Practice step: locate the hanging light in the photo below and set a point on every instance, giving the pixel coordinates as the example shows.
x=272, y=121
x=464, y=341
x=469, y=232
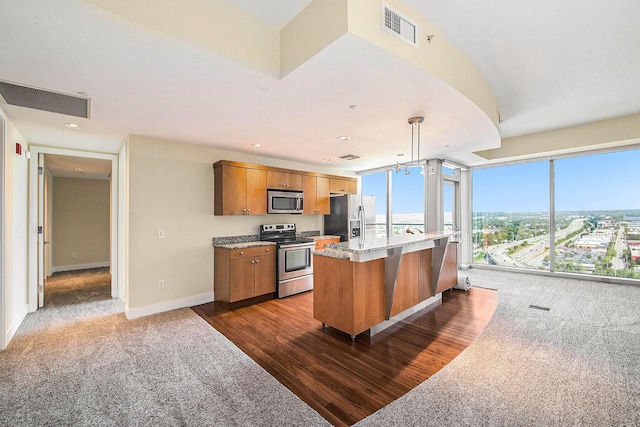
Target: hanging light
x=415, y=123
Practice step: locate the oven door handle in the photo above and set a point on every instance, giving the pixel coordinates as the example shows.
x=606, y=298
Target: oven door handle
x=298, y=245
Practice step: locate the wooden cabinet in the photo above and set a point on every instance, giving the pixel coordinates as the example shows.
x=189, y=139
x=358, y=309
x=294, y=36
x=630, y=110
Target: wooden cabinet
x=240, y=191
x=244, y=273
x=316, y=195
x=241, y=188
x=284, y=180
x=320, y=244
x=348, y=296
x=343, y=185
x=351, y=296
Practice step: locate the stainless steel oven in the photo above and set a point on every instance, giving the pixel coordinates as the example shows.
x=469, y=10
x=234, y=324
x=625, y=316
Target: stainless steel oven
x=294, y=259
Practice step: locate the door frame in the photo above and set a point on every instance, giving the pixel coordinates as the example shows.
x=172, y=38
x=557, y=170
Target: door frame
x=3, y=311
x=35, y=199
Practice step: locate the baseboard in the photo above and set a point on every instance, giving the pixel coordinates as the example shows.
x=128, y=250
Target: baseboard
x=134, y=313
x=74, y=267
x=13, y=328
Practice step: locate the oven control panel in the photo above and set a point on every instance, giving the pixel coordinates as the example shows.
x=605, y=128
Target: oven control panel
x=278, y=227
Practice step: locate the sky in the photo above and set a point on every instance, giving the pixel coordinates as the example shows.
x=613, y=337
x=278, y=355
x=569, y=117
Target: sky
x=609, y=181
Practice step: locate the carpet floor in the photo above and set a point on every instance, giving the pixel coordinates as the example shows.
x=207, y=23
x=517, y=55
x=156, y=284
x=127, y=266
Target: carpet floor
x=575, y=364
x=79, y=361
x=572, y=359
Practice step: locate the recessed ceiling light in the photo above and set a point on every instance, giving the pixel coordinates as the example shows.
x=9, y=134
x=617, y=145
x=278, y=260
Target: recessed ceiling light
x=326, y=160
x=342, y=138
x=73, y=126
x=352, y=107
x=256, y=145
x=447, y=146
x=400, y=154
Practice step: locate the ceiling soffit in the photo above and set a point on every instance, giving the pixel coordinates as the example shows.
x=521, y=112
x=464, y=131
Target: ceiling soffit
x=226, y=30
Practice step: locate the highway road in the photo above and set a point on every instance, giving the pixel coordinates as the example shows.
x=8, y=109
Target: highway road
x=533, y=255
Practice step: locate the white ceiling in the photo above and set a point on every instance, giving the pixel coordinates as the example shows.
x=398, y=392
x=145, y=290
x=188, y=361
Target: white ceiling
x=551, y=65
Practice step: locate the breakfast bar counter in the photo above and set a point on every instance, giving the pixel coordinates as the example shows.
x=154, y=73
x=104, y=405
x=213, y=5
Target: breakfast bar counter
x=368, y=285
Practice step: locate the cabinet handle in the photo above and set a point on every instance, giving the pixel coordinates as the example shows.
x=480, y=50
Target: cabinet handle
x=267, y=250
x=257, y=261
x=252, y=262
x=241, y=253
x=248, y=211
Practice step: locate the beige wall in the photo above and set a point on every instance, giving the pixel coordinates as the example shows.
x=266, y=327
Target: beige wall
x=81, y=223
x=170, y=188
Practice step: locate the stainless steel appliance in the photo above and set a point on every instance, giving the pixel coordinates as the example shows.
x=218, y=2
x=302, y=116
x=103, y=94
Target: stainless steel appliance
x=352, y=217
x=294, y=272
x=289, y=202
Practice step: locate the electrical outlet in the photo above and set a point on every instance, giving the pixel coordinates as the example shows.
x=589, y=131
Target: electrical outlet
x=160, y=234
x=253, y=229
x=161, y=284
x=73, y=255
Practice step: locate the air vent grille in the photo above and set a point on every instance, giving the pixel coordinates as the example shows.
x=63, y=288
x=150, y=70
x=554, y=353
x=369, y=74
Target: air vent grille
x=349, y=157
x=399, y=25
x=24, y=96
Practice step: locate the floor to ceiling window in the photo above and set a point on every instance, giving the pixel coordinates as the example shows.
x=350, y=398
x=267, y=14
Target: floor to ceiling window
x=407, y=201
x=375, y=184
x=511, y=215
x=595, y=212
x=596, y=197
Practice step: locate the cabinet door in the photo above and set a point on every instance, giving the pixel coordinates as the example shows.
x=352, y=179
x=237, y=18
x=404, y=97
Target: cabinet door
x=256, y=192
x=284, y=180
x=276, y=180
x=265, y=274
x=309, y=188
x=351, y=186
x=231, y=191
x=343, y=186
x=241, y=279
x=323, y=205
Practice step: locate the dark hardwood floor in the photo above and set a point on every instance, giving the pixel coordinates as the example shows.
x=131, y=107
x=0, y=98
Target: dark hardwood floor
x=346, y=382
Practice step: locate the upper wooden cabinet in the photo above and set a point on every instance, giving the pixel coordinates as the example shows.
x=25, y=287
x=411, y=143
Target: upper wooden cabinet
x=284, y=180
x=343, y=185
x=241, y=188
x=240, y=191
x=316, y=195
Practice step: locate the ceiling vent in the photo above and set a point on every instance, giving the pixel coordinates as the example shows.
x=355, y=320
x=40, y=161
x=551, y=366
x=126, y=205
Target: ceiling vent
x=349, y=157
x=24, y=96
x=399, y=25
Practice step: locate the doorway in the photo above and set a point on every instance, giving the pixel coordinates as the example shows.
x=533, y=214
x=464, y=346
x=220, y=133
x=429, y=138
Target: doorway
x=76, y=218
x=62, y=184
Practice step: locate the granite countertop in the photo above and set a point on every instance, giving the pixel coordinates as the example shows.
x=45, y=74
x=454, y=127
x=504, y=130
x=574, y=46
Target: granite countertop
x=243, y=245
x=378, y=248
x=323, y=237
x=332, y=253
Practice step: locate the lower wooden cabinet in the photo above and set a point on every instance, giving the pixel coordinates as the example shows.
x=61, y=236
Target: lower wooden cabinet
x=244, y=273
x=349, y=296
x=320, y=244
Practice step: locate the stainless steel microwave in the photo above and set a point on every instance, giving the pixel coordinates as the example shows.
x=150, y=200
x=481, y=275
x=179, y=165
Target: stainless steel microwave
x=288, y=202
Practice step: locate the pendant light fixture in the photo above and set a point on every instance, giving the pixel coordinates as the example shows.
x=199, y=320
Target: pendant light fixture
x=415, y=123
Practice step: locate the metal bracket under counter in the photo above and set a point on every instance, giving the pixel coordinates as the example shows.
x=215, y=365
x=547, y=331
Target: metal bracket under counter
x=392, y=265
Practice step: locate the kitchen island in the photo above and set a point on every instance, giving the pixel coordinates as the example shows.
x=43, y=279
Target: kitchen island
x=369, y=285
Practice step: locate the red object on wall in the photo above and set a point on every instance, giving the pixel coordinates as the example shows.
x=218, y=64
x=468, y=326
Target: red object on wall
x=18, y=148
